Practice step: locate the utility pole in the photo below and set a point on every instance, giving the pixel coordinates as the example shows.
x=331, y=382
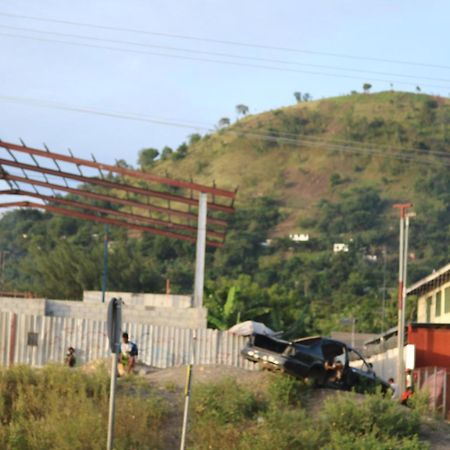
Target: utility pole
x=201, y=247
x=401, y=305
x=105, y=262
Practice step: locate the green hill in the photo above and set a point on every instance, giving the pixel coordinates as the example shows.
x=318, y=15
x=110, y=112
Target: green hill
x=303, y=154
x=331, y=168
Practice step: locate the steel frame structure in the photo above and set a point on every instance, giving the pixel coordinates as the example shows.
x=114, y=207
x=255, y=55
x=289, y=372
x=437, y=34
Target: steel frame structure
x=161, y=210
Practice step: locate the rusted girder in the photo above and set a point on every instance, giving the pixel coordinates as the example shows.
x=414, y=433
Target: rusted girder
x=108, y=198
x=113, y=185
x=120, y=223
x=133, y=217
x=119, y=170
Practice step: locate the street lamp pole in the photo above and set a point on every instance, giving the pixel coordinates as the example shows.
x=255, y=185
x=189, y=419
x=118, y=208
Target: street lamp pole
x=403, y=249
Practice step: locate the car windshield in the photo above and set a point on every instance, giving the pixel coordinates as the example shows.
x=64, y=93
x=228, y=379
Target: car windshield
x=358, y=362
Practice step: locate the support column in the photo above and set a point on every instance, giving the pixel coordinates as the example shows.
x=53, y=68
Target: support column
x=201, y=248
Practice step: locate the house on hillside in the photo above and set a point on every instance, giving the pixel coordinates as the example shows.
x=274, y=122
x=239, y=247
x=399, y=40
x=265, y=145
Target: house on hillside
x=433, y=294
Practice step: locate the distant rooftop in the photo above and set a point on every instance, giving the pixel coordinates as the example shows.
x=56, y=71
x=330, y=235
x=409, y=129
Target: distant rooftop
x=433, y=281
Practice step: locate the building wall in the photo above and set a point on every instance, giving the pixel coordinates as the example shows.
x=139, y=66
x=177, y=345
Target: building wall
x=138, y=312
x=23, y=305
x=439, y=305
x=129, y=298
x=432, y=345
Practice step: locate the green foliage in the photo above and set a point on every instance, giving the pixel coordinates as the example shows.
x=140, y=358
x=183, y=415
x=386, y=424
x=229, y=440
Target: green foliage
x=278, y=420
x=147, y=157
x=166, y=153
x=60, y=408
x=242, y=109
x=224, y=403
x=300, y=288
x=286, y=390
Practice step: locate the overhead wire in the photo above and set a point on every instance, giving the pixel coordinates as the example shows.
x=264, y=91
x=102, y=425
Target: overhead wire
x=220, y=41
x=215, y=61
x=298, y=141
x=216, y=54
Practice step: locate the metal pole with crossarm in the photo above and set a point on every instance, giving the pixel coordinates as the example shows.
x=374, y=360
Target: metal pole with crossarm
x=401, y=294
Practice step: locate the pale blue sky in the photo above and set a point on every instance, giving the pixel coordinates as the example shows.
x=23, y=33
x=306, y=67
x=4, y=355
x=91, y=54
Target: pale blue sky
x=201, y=92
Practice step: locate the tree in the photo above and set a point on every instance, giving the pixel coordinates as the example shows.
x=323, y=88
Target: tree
x=181, y=152
x=367, y=87
x=298, y=96
x=166, y=152
x=242, y=109
x=193, y=138
x=224, y=122
x=418, y=89
x=306, y=97
x=147, y=157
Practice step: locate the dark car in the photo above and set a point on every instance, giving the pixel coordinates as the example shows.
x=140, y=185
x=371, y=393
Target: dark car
x=327, y=362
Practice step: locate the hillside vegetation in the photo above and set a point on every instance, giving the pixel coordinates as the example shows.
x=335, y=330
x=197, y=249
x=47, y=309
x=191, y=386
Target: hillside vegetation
x=331, y=169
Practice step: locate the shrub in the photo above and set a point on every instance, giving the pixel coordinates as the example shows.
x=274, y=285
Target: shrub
x=60, y=408
x=225, y=402
x=286, y=391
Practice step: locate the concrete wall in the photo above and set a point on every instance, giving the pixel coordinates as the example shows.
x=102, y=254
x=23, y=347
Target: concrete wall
x=175, y=317
x=385, y=364
x=142, y=308
x=23, y=305
x=159, y=346
x=129, y=298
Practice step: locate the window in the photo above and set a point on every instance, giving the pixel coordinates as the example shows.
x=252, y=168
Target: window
x=447, y=300
x=428, y=305
x=437, y=309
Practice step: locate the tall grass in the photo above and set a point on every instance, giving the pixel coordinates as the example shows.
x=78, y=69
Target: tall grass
x=278, y=419
x=61, y=408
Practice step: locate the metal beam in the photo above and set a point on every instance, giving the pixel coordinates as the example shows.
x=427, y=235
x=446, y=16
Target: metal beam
x=111, y=184
x=134, y=217
x=120, y=223
x=111, y=199
x=119, y=170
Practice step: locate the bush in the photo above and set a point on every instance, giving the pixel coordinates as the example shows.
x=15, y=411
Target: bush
x=225, y=402
x=286, y=391
x=60, y=408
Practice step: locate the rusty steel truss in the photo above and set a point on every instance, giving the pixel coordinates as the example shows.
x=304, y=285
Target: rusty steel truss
x=154, y=204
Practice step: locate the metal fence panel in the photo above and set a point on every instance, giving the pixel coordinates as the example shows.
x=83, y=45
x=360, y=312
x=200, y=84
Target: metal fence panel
x=159, y=346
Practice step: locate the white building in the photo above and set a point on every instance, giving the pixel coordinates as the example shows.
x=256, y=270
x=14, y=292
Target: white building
x=433, y=294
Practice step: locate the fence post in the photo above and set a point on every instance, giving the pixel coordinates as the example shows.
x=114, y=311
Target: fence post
x=12, y=339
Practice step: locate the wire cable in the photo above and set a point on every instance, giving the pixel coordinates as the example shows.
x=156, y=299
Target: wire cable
x=216, y=54
x=299, y=141
x=220, y=41
x=216, y=61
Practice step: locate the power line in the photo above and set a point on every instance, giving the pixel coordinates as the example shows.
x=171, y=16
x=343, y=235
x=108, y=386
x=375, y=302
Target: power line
x=216, y=61
x=216, y=54
x=222, y=42
x=299, y=141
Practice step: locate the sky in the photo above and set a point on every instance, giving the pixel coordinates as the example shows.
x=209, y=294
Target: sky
x=193, y=95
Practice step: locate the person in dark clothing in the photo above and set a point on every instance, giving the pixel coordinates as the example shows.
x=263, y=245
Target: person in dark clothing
x=70, y=359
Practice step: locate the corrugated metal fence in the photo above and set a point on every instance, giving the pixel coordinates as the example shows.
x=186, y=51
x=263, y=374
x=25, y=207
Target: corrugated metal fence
x=38, y=340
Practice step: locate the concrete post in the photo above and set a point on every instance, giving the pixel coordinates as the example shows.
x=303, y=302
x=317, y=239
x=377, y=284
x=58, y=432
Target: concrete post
x=201, y=248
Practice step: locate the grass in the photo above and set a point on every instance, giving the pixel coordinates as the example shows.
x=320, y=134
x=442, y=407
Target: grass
x=228, y=416
x=61, y=409
x=276, y=170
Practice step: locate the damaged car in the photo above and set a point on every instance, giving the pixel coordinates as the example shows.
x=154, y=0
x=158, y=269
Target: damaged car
x=327, y=362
